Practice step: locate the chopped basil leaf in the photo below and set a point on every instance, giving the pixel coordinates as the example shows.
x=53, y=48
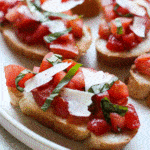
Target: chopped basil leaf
x=119, y=26
x=60, y=85
x=55, y=59
x=19, y=77
x=61, y=15
x=51, y=37
x=108, y=107
x=126, y=15
x=100, y=88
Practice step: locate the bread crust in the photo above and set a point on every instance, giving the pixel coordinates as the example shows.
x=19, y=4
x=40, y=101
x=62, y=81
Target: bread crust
x=39, y=51
x=121, y=58
x=89, y=8
x=76, y=132
x=138, y=84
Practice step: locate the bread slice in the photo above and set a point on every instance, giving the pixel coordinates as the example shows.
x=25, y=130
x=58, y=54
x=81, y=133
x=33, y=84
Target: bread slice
x=76, y=132
x=121, y=58
x=138, y=84
x=39, y=51
x=89, y=8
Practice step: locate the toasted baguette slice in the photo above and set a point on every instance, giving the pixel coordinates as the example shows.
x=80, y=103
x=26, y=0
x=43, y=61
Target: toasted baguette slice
x=121, y=58
x=76, y=132
x=39, y=51
x=89, y=8
x=138, y=84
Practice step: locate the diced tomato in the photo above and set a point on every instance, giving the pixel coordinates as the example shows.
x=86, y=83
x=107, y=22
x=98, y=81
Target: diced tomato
x=96, y=99
x=117, y=122
x=68, y=12
x=131, y=118
x=25, y=78
x=117, y=92
x=67, y=49
x=58, y=77
x=142, y=64
x=129, y=40
x=98, y=126
x=41, y=93
x=125, y=23
x=77, y=27
x=109, y=12
x=114, y=44
x=64, y=1
x=104, y=30
x=60, y=107
x=97, y=115
x=77, y=82
x=42, y=1
x=11, y=72
x=36, y=69
x=121, y=11
x=45, y=64
x=77, y=120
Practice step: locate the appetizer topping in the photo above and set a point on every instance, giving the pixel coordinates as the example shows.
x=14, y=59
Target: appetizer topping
x=78, y=101
x=138, y=26
x=44, y=76
x=59, y=6
x=119, y=26
x=55, y=59
x=100, y=76
x=60, y=85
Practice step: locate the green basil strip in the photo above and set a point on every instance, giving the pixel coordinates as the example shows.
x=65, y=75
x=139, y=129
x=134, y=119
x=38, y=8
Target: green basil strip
x=61, y=84
x=126, y=15
x=61, y=15
x=51, y=37
x=108, y=107
x=19, y=77
x=55, y=59
x=100, y=88
x=119, y=26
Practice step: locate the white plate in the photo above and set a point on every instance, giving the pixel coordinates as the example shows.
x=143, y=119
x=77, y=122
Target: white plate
x=39, y=137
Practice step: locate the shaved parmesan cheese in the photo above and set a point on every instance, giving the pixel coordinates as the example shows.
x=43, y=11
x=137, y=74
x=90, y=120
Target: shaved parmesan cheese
x=44, y=77
x=58, y=6
x=78, y=101
x=144, y=4
x=93, y=78
x=132, y=6
x=105, y=3
x=138, y=26
x=55, y=26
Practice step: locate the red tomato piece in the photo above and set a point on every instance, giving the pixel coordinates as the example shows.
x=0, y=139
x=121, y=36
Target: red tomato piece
x=67, y=49
x=77, y=27
x=109, y=12
x=98, y=126
x=114, y=44
x=25, y=78
x=104, y=30
x=118, y=91
x=117, y=122
x=36, y=69
x=58, y=77
x=11, y=72
x=131, y=118
x=121, y=11
x=60, y=107
x=45, y=64
x=142, y=64
x=41, y=93
x=129, y=40
x=98, y=115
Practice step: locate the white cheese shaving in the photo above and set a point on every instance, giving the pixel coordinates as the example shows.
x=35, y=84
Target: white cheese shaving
x=44, y=76
x=58, y=6
x=105, y=3
x=138, y=26
x=132, y=6
x=78, y=101
x=55, y=26
x=93, y=78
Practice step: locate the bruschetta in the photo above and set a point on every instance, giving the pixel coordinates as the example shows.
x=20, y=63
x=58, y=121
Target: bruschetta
x=31, y=30
x=139, y=80
x=123, y=31
x=80, y=103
